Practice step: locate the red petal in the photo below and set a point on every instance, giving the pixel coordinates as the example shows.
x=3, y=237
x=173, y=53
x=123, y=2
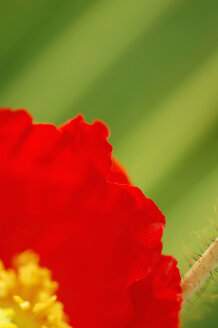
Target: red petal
x=117, y=173
x=157, y=298
x=62, y=196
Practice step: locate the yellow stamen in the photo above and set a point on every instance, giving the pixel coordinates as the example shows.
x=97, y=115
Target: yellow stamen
x=27, y=296
x=24, y=305
x=6, y=316
x=40, y=307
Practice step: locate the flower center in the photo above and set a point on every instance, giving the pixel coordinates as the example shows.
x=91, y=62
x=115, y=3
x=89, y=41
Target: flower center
x=27, y=296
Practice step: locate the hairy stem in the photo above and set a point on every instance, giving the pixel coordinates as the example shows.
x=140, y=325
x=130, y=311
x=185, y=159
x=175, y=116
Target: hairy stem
x=200, y=271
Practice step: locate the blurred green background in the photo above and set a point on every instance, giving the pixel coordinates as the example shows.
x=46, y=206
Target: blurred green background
x=149, y=69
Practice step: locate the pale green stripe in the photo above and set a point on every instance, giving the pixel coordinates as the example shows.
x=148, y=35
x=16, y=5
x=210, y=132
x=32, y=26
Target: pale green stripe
x=77, y=57
x=153, y=147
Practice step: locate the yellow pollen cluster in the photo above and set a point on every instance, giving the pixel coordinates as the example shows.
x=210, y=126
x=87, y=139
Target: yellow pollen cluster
x=27, y=296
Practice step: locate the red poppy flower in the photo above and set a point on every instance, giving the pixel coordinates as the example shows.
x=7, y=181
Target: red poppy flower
x=62, y=196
